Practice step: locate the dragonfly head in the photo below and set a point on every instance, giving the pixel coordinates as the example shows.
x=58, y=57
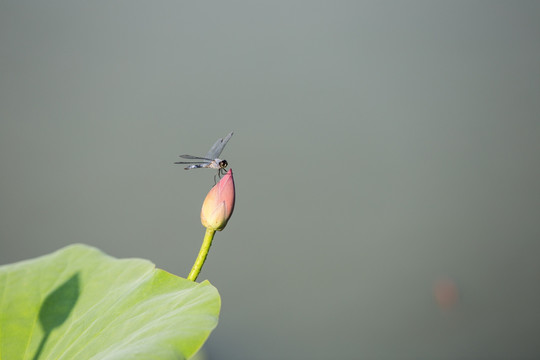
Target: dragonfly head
x=223, y=164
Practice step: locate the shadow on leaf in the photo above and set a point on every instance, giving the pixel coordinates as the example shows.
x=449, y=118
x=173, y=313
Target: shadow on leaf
x=56, y=308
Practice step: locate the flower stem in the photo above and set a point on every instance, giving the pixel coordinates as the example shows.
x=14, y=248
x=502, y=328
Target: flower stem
x=199, y=262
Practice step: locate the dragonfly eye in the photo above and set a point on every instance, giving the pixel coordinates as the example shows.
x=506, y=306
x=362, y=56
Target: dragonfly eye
x=223, y=164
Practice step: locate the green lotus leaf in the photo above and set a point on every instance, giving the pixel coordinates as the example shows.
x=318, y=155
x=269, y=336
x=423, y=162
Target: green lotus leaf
x=79, y=303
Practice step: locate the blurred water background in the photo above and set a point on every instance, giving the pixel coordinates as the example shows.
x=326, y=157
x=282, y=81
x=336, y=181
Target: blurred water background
x=386, y=158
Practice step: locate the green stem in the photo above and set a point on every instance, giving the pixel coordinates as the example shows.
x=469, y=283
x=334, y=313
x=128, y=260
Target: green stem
x=196, y=269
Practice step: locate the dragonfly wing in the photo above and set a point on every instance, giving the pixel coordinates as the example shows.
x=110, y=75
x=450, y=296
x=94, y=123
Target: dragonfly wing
x=193, y=162
x=218, y=147
x=195, y=157
x=196, y=166
x=193, y=165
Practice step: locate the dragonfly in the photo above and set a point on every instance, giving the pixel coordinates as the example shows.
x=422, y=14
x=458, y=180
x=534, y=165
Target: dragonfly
x=210, y=160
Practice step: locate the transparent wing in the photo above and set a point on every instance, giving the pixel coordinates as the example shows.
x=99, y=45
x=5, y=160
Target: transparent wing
x=193, y=162
x=195, y=157
x=217, y=148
